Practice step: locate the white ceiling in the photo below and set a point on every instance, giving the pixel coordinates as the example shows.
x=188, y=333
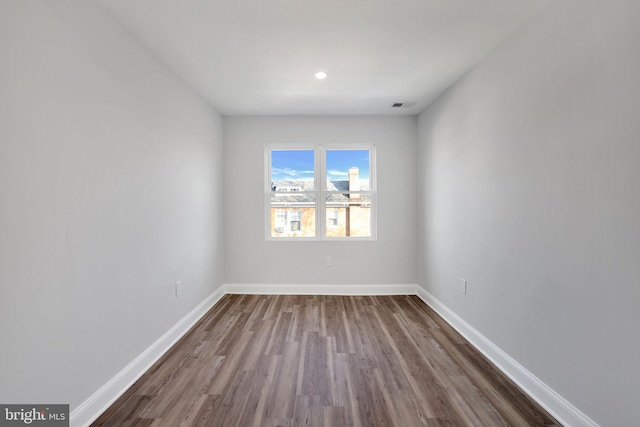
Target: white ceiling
x=259, y=56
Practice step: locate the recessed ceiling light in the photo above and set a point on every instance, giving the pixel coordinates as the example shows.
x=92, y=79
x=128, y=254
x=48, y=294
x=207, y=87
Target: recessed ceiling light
x=321, y=75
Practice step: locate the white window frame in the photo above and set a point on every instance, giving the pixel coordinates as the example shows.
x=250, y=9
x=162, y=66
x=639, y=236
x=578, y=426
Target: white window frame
x=320, y=190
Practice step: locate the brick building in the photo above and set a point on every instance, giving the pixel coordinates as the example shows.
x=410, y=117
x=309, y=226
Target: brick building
x=347, y=204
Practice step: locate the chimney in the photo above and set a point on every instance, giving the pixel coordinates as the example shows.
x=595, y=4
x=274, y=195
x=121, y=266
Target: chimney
x=354, y=182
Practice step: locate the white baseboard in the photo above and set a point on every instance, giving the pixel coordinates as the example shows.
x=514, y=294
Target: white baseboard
x=95, y=405
x=556, y=405
x=551, y=401
x=271, y=289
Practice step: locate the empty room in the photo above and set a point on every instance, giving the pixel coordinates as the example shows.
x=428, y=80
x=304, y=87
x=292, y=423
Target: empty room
x=338, y=213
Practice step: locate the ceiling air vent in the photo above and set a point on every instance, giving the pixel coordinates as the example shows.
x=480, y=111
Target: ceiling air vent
x=404, y=104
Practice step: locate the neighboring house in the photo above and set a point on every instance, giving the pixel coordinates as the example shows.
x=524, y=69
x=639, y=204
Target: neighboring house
x=293, y=208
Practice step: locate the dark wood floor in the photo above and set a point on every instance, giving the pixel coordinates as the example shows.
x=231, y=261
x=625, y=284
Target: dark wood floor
x=323, y=361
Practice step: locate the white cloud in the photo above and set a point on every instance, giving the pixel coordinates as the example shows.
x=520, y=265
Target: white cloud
x=280, y=173
x=337, y=173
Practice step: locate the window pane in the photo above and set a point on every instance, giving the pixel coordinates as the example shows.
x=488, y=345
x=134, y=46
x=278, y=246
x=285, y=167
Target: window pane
x=348, y=217
x=347, y=170
x=292, y=189
x=295, y=215
x=292, y=170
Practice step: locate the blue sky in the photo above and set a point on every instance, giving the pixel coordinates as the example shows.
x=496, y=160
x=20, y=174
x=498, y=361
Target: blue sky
x=298, y=164
x=292, y=164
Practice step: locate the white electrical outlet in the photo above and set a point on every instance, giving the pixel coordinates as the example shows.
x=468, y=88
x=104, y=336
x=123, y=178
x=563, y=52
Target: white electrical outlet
x=178, y=288
x=463, y=286
x=327, y=260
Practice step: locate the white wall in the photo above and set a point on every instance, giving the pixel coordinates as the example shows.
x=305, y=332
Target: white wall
x=110, y=190
x=252, y=260
x=529, y=188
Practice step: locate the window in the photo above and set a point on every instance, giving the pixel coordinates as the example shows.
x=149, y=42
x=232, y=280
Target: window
x=295, y=218
x=320, y=192
x=332, y=218
x=286, y=221
x=281, y=221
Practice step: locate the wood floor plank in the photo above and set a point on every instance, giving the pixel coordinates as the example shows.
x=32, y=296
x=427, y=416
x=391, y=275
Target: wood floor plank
x=203, y=410
x=282, y=394
x=326, y=361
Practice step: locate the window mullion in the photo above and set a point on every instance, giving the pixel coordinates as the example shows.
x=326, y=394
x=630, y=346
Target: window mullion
x=320, y=190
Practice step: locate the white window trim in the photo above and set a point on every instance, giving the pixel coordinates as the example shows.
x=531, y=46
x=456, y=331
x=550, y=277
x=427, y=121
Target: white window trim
x=320, y=190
